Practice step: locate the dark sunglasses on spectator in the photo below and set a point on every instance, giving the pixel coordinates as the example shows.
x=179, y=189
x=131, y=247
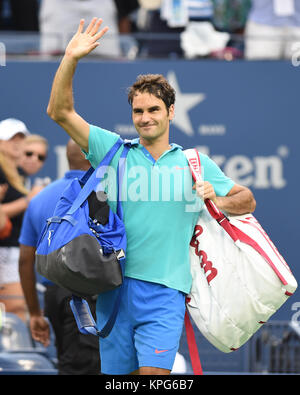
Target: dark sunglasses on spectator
x=41, y=158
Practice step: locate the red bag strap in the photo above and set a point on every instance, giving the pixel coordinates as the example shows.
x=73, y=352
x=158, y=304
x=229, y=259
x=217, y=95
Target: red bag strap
x=195, y=167
x=192, y=345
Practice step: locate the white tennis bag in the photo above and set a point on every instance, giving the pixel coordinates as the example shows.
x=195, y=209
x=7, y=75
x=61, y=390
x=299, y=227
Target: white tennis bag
x=239, y=277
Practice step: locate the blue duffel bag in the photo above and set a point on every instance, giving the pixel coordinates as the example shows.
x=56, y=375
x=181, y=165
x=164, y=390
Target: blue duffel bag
x=83, y=245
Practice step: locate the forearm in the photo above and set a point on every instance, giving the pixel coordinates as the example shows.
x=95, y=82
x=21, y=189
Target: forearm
x=16, y=207
x=3, y=218
x=238, y=203
x=61, y=99
x=61, y=103
x=28, y=279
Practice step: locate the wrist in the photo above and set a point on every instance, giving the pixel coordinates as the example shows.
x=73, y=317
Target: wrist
x=27, y=200
x=70, y=58
x=218, y=202
x=36, y=313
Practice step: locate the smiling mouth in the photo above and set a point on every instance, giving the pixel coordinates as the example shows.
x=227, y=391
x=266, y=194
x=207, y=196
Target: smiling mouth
x=146, y=126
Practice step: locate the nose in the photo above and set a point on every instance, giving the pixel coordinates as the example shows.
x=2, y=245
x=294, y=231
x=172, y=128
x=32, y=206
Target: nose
x=145, y=117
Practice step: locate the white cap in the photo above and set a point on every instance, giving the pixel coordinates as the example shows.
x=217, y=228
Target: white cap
x=10, y=127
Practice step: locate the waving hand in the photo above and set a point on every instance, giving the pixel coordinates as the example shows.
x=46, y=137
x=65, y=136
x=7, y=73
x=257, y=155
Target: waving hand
x=84, y=42
x=61, y=104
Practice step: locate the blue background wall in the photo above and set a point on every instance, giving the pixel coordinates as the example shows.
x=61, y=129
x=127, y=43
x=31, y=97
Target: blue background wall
x=245, y=115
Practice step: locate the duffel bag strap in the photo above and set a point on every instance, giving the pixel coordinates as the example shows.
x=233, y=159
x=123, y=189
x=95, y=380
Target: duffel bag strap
x=120, y=175
x=94, y=176
x=84, y=318
x=192, y=345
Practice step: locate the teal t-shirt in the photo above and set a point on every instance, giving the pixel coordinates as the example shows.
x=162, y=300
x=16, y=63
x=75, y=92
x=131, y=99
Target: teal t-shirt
x=160, y=207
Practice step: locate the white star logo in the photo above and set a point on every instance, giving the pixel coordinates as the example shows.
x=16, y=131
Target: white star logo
x=184, y=102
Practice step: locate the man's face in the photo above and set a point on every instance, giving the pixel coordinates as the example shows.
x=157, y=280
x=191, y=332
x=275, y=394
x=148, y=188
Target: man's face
x=150, y=116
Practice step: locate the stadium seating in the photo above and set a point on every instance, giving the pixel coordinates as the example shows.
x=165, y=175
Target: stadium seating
x=19, y=354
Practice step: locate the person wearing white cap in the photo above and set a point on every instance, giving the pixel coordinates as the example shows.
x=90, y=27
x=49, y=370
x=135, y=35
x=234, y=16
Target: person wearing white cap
x=11, y=127
x=15, y=202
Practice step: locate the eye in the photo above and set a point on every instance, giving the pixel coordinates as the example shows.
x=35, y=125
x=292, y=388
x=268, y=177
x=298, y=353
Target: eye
x=154, y=109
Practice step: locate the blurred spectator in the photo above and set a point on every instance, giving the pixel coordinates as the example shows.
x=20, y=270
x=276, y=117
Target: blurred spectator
x=77, y=353
x=19, y=15
x=231, y=16
x=15, y=202
x=35, y=150
x=151, y=21
x=272, y=28
x=126, y=11
x=200, y=39
x=59, y=21
x=5, y=222
x=186, y=27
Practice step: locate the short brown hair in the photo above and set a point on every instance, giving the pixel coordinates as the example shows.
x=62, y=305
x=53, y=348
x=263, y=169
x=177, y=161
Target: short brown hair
x=156, y=85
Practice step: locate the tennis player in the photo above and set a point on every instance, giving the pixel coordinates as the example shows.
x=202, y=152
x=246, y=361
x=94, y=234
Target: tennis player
x=159, y=214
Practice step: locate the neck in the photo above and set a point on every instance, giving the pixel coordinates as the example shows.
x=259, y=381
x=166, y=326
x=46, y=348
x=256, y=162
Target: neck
x=156, y=148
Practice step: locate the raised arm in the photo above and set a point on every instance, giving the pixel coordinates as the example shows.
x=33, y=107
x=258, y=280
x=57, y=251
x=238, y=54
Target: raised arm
x=61, y=104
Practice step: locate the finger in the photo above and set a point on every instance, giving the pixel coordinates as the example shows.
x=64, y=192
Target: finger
x=45, y=341
x=41, y=338
x=200, y=191
x=80, y=26
x=101, y=33
x=93, y=46
x=209, y=195
x=36, y=336
x=96, y=27
x=91, y=25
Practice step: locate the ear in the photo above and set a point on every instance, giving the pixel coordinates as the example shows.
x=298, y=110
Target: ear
x=171, y=112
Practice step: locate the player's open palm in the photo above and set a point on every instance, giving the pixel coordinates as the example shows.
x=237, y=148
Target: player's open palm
x=83, y=42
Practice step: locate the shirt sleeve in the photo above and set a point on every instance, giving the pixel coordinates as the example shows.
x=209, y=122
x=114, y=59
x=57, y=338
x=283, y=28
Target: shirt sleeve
x=213, y=174
x=28, y=234
x=100, y=142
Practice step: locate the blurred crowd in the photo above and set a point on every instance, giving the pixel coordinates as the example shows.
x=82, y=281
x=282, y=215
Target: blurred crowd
x=26, y=202
x=22, y=156
x=222, y=29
